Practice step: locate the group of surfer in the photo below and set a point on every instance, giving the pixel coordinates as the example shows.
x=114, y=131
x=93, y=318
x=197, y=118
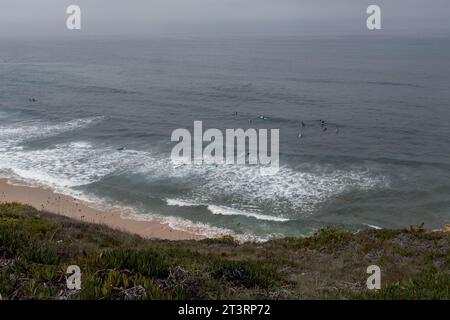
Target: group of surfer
x=323, y=124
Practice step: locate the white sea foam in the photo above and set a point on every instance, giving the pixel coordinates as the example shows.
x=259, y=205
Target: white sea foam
x=294, y=190
x=374, y=226
x=234, y=212
x=63, y=165
x=67, y=165
x=289, y=194
x=12, y=135
x=181, y=203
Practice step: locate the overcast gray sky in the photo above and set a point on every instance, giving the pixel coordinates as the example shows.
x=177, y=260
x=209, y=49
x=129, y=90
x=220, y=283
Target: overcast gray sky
x=47, y=17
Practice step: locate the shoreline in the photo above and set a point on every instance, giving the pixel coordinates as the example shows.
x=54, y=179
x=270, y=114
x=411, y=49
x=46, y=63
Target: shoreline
x=45, y=199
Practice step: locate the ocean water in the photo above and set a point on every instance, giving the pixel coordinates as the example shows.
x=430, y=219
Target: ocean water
x=105, y=109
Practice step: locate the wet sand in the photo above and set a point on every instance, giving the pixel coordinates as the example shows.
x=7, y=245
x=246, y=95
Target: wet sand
x=47, y=200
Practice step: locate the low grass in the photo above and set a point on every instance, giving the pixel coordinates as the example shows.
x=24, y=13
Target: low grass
x=37, y=247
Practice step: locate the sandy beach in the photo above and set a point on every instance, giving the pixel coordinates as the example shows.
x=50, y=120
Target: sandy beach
x=47, y=200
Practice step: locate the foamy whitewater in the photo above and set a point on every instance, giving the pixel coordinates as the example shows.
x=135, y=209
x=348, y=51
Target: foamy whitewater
x=100, y=130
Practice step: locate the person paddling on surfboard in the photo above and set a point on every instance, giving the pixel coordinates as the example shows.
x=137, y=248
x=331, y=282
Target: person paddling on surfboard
x=302, y=125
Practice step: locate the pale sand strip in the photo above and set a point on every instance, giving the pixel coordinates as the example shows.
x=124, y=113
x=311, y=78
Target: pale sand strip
x=47, y=200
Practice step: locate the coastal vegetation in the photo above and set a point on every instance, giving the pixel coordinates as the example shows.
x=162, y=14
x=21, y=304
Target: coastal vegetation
x=37, y=247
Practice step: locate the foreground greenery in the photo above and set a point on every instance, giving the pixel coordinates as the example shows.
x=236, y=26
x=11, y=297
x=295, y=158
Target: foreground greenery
x=36, y=248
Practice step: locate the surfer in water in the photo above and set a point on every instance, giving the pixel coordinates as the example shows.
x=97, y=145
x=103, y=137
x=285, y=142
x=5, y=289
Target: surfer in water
x=302, y=125
x=323, y=124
